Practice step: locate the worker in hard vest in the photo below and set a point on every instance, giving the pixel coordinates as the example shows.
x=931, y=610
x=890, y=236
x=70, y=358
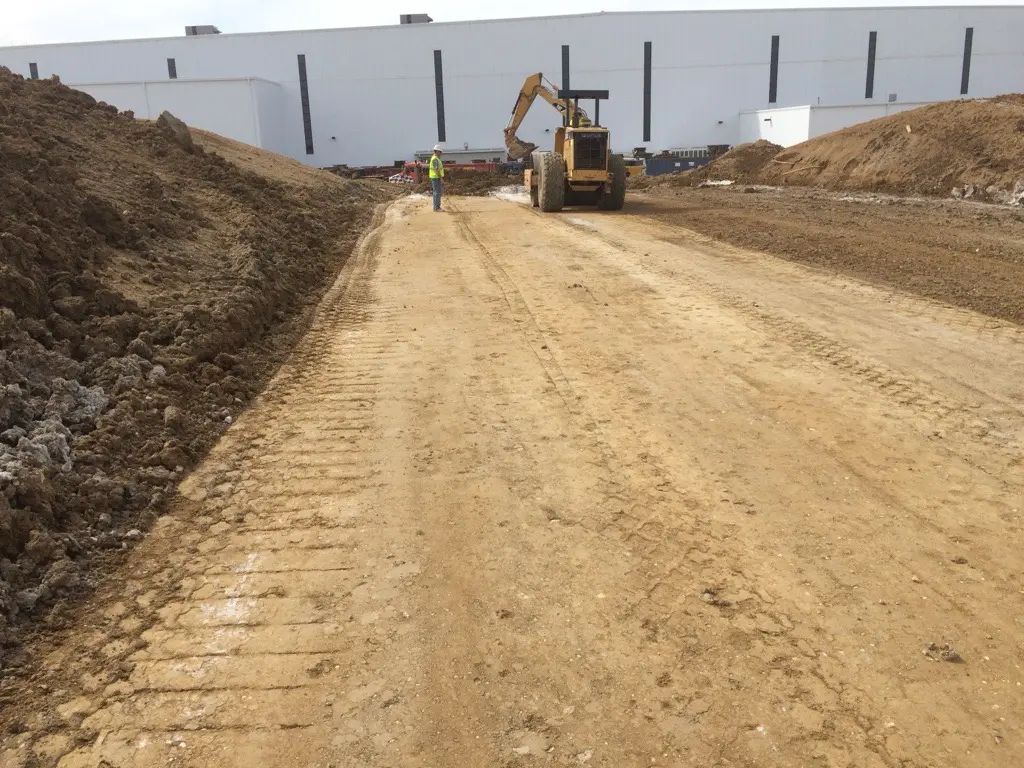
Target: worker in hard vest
x=436, y=174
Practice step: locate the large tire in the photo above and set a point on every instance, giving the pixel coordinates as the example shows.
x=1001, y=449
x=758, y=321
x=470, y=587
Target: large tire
x=552, y=181
x=532, y=161
x=614, y=195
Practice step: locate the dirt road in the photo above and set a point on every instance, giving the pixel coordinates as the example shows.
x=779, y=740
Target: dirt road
x=580, y=489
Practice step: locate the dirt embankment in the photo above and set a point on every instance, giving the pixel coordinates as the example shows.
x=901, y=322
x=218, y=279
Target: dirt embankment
x=970, y=149
x=149, y=289
x=929, y=151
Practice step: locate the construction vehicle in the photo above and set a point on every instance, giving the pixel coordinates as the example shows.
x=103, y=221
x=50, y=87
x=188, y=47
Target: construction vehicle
x=581, y=170
x=634, y=167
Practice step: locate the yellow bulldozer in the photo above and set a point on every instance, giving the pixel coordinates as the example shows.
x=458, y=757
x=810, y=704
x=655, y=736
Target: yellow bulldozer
x=581, y=170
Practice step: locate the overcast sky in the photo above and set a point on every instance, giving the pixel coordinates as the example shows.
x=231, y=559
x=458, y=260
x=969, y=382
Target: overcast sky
x=59, y=21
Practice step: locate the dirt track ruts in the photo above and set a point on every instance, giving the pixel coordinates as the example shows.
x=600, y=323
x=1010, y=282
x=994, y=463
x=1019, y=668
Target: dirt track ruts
x=581, y=489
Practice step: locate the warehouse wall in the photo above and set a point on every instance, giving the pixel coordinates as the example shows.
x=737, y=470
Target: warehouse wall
x=226, y=107
x=827, y=119
x=786, y=126
x=269, y=100
x=792, y=125
x=372, y=97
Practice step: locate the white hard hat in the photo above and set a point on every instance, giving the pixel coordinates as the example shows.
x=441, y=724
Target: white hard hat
x=437, y=148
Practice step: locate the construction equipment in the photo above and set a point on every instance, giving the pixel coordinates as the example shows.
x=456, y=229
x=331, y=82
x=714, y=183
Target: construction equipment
x=634, y=167
x=581, y=170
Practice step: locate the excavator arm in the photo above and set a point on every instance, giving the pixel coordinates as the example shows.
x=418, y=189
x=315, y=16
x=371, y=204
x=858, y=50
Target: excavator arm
x=533, y=87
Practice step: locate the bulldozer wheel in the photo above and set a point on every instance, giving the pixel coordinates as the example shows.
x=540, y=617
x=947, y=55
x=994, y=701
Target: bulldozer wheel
x=614, y=196
x=533, y=163
x=551, y=195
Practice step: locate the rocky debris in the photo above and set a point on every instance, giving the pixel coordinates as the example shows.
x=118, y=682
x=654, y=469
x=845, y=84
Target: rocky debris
x=712, y=596
x=137, y=314
x=75, y=406
x=992, y=193
x=174, y=418
x=176, y=130
x=943, y=652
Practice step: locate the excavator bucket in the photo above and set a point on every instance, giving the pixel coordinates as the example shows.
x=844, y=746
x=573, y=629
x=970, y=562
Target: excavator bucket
x=517, y=148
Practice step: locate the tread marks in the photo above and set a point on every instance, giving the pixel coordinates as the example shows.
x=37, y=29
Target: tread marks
x=905, y=389
x=263, y=530
x=675, y=554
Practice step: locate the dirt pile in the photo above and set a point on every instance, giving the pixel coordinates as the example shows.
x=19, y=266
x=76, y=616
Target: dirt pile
x=150, y=287
x=976, y=147
x=743, y=163
x=473, y=183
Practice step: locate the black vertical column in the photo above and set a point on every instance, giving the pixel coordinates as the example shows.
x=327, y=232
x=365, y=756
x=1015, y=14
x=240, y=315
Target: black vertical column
x=773, y=76
x=439, y=92
x=965, y=76
x=307, y=122
x=565, y=68
x=647, y=91
x=33, y=70
x=172, y=69
x=869, y=87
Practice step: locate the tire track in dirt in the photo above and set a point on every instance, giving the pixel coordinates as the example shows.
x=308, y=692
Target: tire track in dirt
x=994, y=425
x=242, y=666
x=828, y=699
x=679, y=562
x=523, y=498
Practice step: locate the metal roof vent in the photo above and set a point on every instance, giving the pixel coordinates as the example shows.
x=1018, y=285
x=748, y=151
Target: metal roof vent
x=202, y=29
x=415, y=18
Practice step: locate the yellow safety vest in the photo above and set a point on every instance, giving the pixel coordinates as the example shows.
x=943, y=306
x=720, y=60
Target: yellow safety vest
x=436, y=167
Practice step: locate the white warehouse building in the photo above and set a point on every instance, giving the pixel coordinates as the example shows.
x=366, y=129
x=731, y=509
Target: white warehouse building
x=676, y=79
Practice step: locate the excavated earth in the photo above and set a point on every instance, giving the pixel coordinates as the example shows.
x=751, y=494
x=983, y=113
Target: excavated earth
x=967, y=149
x=473, y=183
x=744, y=162
x=975, y=147
x=961, y=253
x=581, y=489
x=728, y=478
x=150, y=288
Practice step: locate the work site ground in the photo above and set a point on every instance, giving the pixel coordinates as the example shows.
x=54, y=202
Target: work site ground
x=578, y=489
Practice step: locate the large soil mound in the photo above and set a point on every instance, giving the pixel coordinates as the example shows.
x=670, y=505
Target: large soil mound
x=149, y=288
x=744, y=162
x=741, y=163
x=965, y=148
x=929, y=150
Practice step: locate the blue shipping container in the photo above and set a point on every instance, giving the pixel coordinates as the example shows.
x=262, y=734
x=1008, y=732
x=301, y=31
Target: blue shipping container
x=656, y=166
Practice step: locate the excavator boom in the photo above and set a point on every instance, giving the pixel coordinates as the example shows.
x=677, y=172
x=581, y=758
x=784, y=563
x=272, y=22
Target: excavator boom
x=533, y=87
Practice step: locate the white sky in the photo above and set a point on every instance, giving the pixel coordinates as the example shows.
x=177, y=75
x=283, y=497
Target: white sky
x=27, y=22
